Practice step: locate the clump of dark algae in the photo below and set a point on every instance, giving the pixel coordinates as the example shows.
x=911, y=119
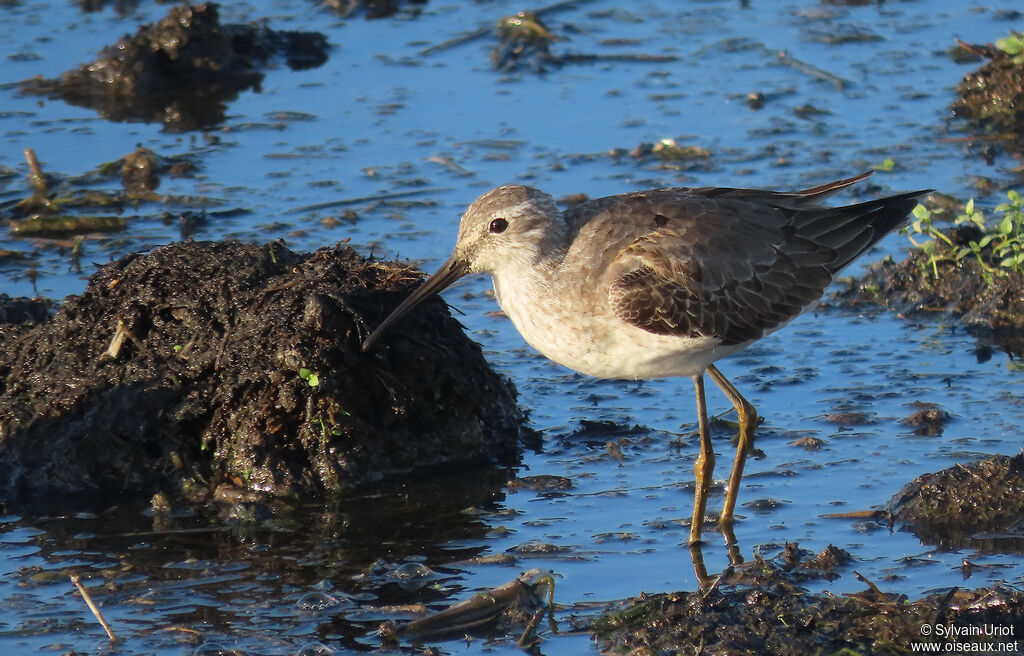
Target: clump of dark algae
x=992, y=97
x=201, y=365
x=182, y=70
x=991, y=307
x=980, y=505
x=759, y=608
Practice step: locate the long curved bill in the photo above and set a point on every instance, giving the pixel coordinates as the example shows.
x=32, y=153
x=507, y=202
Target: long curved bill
x=449, y=272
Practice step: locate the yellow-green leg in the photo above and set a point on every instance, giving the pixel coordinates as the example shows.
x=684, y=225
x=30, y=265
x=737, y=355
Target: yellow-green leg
x=705, y=465
x=748, y=421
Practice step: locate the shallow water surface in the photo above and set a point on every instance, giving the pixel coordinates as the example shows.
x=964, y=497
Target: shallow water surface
x=379, y=118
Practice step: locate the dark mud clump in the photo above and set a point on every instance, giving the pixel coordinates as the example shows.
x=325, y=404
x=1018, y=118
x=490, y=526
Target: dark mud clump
x=766, y=620
x=180, y=71
x=992, y=97
x=201, y=365
x=966, y=504
x=760, y=608
x=990, y=309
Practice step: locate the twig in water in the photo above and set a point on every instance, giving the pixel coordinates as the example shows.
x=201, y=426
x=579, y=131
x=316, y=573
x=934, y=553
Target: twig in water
x=813, y=71
x=487, y=29
x=874, y=588
x=95, y=611
x=35, y=173
x=583, y=58
x=364, y=199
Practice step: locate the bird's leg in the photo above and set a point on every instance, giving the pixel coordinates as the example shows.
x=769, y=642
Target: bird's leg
x=748, y=421
x=700, y=570
x=705, y=464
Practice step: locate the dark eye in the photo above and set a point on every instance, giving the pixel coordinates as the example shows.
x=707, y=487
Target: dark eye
x=499, y=226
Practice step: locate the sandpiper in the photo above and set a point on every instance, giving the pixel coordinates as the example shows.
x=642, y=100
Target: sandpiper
x=661, y=283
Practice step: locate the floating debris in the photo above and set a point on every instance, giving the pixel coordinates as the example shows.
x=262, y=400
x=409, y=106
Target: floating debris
x=180, y=71
x=668, y=151
x=513, y=604
x=928, y=420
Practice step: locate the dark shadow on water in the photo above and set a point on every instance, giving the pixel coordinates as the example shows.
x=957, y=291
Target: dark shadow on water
x=338, y=565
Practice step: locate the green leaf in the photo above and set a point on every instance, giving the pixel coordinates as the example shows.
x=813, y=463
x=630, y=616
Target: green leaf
x=984, y=241
x=1011, y=45
x=1006, y=226
x=304, y=373
x=921, y=212
x=969, y=207
x=313, y=380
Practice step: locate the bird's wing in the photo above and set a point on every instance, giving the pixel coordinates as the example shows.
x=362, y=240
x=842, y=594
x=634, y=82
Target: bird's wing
x=681, y=263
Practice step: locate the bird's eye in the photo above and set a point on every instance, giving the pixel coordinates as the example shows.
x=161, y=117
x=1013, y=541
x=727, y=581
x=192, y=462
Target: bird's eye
x=498, y=226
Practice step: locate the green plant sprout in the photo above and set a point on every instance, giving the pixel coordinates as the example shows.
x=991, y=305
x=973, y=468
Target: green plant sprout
x=311, y=377
x=999, y=251
x=1013, y=45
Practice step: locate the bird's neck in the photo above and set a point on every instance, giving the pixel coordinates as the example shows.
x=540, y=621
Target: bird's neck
x=524, y=285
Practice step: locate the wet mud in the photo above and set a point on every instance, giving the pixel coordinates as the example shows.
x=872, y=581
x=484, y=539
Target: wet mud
x=777, y=617
x=992, y=97
x=980, y=505
x=181, y=71
x=200, y=367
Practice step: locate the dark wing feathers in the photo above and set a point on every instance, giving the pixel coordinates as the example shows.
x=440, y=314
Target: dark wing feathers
x=732, y=264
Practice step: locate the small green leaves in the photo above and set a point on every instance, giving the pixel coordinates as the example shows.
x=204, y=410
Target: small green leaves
x=1013, y=45
x=999, y=251
x=310, y=377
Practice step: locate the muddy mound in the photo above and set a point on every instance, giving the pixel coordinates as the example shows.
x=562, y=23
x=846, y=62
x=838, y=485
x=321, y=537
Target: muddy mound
x=180, y=71
x=775, y=620
x=967, y=504
x=992, y=310
x=761, y=607
x=992, y=97
x=200, y=364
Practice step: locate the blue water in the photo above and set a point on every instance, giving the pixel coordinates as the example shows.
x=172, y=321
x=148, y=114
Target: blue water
x=378, y=117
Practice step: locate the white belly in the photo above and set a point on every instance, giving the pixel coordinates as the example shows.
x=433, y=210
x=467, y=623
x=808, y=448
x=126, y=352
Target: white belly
x=592, y=341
